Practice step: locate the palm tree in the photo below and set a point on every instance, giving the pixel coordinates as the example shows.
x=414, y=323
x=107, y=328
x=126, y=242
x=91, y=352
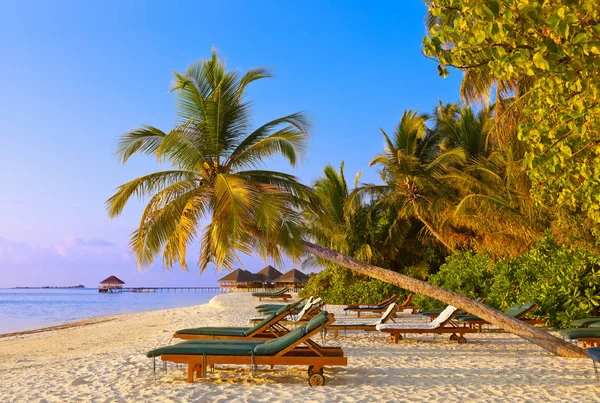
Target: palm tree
x=215, y=158
x=410, y=167
x=462, y=127
x=494, y=209
x=213, y=154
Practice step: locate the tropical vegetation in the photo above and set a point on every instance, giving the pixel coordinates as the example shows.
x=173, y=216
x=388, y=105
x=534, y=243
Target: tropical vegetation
x=449, y=182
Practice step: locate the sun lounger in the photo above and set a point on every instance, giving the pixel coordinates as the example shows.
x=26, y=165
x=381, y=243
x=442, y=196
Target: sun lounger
x=281, y=294
x=518, y=311
x=292, y=349
x=364, y=324
x=585, y=322
x=376, y=308
x=266, y=309
x=441, y=325
x=433, y=313
x=310, y=309
x=268, y=328
x=590, y=336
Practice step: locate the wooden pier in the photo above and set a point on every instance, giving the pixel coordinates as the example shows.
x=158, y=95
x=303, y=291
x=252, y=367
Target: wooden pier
x=163, y=289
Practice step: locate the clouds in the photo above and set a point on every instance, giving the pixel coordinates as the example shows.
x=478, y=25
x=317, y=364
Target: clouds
x=69, y=240
x=12, y=202
x=66, y=259
x=17, y=253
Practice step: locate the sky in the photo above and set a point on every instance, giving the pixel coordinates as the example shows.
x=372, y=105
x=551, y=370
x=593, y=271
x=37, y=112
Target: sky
x=76, y=75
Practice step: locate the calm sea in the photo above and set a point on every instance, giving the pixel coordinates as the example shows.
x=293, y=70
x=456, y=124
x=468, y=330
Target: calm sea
x=32, y=309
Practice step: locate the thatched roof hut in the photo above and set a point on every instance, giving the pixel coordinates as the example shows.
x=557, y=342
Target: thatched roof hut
x=112, y=280
x=293, y=277
x=240, y=279
x=269, y=274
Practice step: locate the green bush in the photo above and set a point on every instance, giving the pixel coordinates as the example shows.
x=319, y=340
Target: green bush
x=337, y=285
x=466, y=273
x=564, y=283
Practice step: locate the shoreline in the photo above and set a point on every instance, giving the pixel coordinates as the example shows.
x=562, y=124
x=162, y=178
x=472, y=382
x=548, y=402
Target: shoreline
x=105, y=361
x=96, y=317
x=89, y=321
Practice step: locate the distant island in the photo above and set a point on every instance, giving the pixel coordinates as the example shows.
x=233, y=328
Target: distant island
x=47, y=286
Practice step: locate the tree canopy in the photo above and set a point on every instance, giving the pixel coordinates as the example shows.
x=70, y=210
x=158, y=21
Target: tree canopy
x=545, y=56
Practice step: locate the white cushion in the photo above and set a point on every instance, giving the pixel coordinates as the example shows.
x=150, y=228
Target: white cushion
x=434, y=324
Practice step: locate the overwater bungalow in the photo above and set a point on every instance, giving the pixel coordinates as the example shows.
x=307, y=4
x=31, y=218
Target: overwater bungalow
x=294, y=279
x=240, y=279
x=269, y=274
x=111, y=284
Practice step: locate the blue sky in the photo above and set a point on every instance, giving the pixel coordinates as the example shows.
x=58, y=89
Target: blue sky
x=75, y=75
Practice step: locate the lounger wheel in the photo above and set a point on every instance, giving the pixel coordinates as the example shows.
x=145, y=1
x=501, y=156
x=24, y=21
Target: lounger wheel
x=453, y=337
x=316, y=379
x=461, y=340
x=311, y=370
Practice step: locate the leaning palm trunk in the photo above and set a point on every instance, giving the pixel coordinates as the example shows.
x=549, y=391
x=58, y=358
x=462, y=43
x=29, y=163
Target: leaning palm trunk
x=495, y=317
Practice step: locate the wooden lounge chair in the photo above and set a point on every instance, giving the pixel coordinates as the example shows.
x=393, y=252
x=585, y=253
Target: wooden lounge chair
x=281, y=294
x=266, y=309
x=292, y=349
x=310, y=309
x=433, y=313
x=517, y=311
x=590, y=336
x=585, y=322
x=268, y=328
x=364, y=324
x=443, y=324
x=377, y=308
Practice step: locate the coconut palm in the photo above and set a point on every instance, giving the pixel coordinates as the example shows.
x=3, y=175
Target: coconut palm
x=463, y=127
x=410, y=167
x=215, y=157
x=494, y=209
x=215, y=162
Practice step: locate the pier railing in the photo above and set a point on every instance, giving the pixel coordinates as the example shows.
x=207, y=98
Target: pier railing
x=163, y=289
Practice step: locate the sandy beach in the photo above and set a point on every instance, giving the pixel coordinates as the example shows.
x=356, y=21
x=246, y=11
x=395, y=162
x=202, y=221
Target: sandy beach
x=104, y=361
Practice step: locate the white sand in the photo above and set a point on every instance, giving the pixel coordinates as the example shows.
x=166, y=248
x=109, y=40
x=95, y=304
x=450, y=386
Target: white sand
x=105, y=362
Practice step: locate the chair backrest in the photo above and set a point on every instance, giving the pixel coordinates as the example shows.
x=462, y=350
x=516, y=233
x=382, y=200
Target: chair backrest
x=389, y=312
x=281, y=312
x=274, y=346
x=279, y=292
x=519, y=309
x=387, y=301
x=444, y=317
x=407, y=301
x=305, y=308
x=316, y=321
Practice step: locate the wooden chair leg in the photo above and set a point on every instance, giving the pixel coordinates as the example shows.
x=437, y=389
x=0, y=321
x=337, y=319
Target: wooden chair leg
x=190, y=372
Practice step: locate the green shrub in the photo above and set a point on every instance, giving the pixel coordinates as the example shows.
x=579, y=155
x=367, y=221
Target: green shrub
x=466, y=273
x=564, y=283
x=337, y=285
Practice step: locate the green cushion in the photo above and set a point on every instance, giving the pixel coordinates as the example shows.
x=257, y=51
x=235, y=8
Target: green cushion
x=580, y=333
x=316, y=321
x=519, y=309
x=515, y=311
x=215, y=331
x=210, y=342
x=585, y=322
x=269, y=294
x=595, y=325
x=431, y=312
x=214, y=348
x=260, y=324
x=276, y=345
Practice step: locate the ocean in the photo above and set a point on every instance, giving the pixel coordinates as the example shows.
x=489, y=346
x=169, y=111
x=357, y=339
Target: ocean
x=28, y=309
